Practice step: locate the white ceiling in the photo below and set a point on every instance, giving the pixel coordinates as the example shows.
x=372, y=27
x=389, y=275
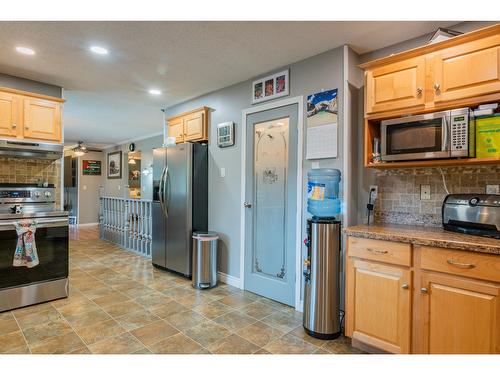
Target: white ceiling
x=107, y=99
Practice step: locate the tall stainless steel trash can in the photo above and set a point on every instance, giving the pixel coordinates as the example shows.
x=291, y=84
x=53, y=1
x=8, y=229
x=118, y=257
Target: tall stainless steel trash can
x=205, y=259
x=322, y=279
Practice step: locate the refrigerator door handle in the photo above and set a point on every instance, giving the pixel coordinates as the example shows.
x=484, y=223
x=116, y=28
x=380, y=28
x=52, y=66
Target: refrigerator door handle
x=165, y=179
x=161, y=190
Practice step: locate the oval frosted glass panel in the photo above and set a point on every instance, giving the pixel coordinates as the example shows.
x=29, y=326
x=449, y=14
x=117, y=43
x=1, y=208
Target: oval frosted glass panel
x=270, y=197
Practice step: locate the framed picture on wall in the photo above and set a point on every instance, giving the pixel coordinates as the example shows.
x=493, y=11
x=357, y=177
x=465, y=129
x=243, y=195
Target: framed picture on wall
x=270, y=87
x=91, y=167
x=115, y=165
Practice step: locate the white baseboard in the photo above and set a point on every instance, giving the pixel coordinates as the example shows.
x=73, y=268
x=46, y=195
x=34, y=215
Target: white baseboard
x=228, y=279
x=88, y=225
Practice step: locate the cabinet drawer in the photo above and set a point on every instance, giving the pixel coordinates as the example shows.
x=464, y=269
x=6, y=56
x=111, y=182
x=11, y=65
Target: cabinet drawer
x=462, y=263
x=382, y=251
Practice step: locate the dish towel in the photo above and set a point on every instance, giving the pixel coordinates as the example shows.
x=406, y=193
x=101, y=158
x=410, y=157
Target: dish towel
x=25, y=255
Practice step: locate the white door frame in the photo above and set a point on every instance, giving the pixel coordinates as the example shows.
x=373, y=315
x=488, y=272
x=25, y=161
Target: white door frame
x=299, y=100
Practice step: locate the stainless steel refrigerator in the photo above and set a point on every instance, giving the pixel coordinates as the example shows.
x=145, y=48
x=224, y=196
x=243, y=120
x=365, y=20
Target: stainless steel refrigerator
x=180, y=203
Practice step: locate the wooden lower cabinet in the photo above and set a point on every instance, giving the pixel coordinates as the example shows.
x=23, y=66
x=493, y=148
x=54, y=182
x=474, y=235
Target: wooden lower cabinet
x=458, y=315
x=444, y=302
x=379, y=305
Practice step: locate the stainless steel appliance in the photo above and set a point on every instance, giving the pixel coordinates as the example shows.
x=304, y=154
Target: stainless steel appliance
x=180, y=203
x=21, y=286
x=438, y=135
x=205, y=259
x=477, y=214
x=26, y=149
x=321, y=318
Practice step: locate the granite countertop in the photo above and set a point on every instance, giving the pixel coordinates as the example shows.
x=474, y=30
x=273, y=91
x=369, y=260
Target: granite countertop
x=426, y=236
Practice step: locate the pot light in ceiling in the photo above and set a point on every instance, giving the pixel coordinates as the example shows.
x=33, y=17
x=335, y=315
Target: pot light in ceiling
x=99, y=50
x=155, y=92
x=25, y=50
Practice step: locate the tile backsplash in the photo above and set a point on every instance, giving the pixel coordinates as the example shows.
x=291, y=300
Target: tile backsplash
x=399, y=200
x=19, y=170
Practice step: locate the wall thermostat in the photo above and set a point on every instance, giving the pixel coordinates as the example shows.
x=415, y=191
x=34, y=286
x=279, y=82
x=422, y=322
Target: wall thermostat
x=225, y=134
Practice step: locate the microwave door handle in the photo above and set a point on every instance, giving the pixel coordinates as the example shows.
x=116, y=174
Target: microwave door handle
x=446, y=133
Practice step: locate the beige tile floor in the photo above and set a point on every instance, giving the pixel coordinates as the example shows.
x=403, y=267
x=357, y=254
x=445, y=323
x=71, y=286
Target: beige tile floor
x=119, y=303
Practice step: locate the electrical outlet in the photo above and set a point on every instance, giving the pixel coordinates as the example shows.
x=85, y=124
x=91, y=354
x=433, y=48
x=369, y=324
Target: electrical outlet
x=492, y=189
x=425, y=192
x=374, y=192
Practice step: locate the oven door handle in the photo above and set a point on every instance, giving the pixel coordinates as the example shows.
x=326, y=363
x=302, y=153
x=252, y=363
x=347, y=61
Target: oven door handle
x=41, y=223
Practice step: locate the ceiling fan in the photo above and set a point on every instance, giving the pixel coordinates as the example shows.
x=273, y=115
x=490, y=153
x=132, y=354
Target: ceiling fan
x=81, y=149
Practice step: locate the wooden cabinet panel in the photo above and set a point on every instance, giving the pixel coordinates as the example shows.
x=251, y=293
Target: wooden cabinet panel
x=381, y=251
x=378, y=308
x=395, y=86
x=10, y=115
x=194, y=126
x=461, y=263
x=468, y=70
x=176, y=129
x=460, y=316
x=42, y=120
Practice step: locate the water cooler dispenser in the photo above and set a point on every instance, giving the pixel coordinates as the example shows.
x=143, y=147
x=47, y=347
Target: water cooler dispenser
x=322, y=264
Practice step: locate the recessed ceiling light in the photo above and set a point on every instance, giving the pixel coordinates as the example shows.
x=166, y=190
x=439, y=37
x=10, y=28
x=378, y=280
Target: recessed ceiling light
x=25, y=50
x=155, y=92
x=99, y=50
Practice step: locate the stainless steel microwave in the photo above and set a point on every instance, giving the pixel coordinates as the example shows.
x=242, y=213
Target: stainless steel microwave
x=438, y=135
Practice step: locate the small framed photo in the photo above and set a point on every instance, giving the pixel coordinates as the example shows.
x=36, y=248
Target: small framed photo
x=270, y=87
x=115, y=165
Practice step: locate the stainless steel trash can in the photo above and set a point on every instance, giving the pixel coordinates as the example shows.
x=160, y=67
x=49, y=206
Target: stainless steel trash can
x=322, y=279
x=205, y=259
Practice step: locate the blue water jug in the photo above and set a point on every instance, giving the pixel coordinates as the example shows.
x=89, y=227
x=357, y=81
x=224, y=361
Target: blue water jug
x=323, y=192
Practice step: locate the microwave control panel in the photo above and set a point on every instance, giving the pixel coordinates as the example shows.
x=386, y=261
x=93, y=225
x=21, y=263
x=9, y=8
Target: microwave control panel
x=459, y=134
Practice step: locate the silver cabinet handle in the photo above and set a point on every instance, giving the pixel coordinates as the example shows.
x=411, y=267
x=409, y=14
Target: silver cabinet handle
x=14, y=126
x=247, y=205
x=405, y=286
x=419, y=91
x=376, y=251
x=437, y=86
x=460, y=265
x=423, y=290
x=26, y=127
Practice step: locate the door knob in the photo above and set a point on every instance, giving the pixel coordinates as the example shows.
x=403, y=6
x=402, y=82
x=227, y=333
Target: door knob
x=419, y=91
x=14, y=126
x=423, y=290
x=436, y=86
x=247, y=205
x=405, y=286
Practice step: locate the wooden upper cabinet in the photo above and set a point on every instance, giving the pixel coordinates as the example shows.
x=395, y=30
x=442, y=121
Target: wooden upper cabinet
x=379, y=305
x=30, y=116
x=459, y=316
x=42, y=120
x=176, y=129
x=395, y=86
x=9, y=115
x=189, y=126
x=194, y=126
x=468, y=70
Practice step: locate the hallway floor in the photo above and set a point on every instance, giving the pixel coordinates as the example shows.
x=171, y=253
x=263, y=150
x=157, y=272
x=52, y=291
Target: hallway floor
x=120, y=303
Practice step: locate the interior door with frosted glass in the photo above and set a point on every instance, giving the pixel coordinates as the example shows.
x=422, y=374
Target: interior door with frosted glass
x=270, y=203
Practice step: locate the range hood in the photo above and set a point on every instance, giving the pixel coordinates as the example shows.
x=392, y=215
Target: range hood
x=32, y=150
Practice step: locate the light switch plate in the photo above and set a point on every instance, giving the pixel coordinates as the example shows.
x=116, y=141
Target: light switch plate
x=374, y=192
x=425, y=192
x=223, y=172
x=314, y=165
x=492, y=189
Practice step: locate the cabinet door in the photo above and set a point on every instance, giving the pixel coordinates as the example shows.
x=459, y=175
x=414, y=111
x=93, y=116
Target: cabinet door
x=194, y=127
x=396, y=86
x=460, y=316
x=176, y=129
x=9, y=115
x=42, y=120
x=378, y=306
x=468, y=70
